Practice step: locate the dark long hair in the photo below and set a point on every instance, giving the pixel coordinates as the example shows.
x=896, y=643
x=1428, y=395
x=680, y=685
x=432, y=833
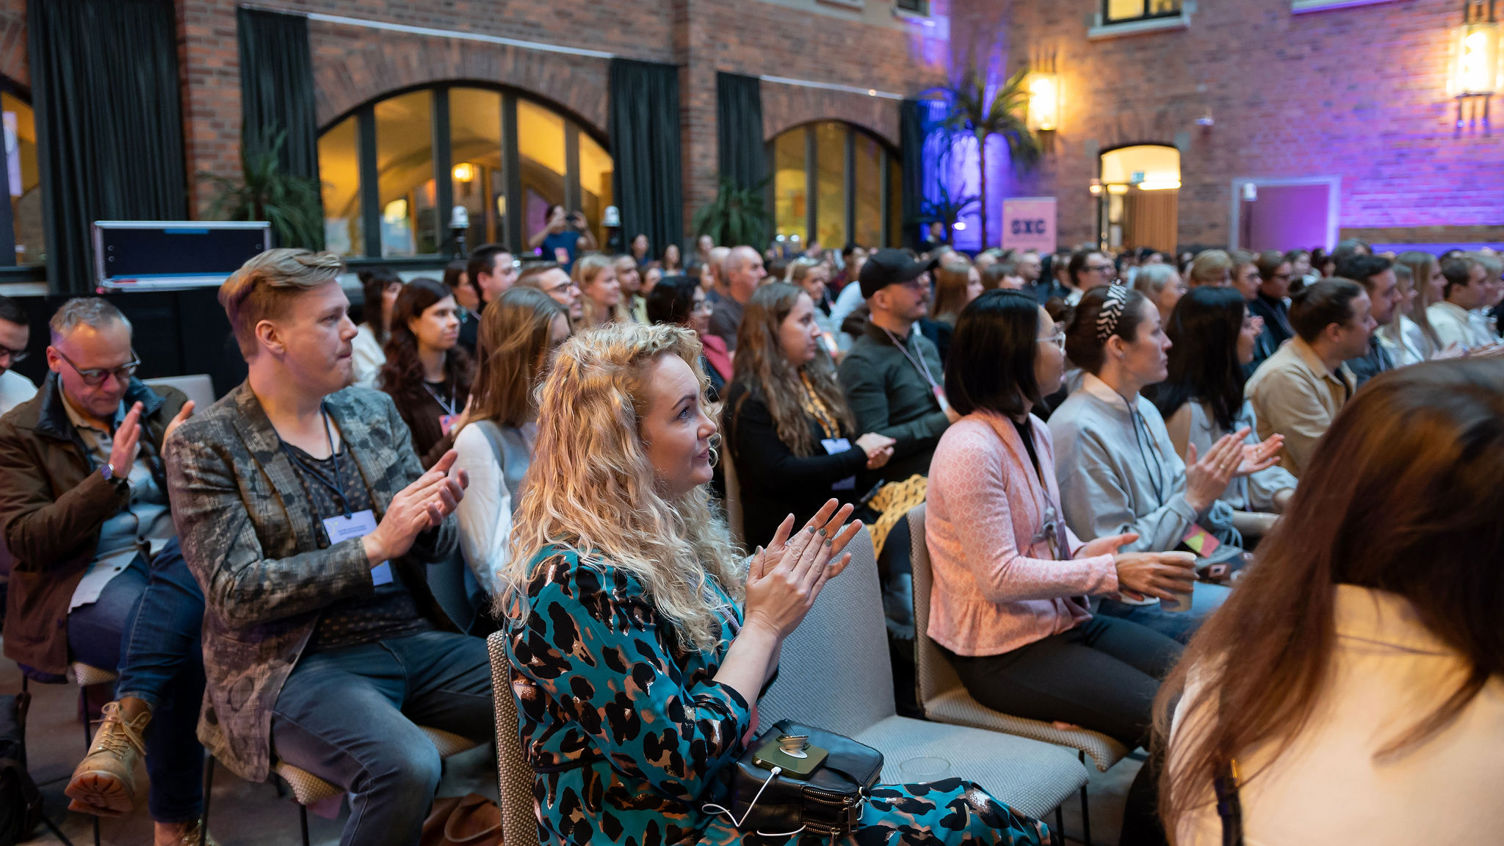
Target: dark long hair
x=373, y=284
x=761, y=367
x=1204, y=329
x=1082, y=346
x=402, y=375
x=1404, y=497
x=991, y=364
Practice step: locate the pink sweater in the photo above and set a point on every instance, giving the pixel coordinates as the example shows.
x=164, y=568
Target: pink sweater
x=993, y=590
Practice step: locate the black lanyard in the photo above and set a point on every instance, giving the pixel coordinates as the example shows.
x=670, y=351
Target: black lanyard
x=1153, y=464
x=337, y=484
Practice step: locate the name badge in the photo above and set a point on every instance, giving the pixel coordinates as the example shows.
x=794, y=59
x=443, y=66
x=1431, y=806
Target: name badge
x=832, y=447
x=358, y=525
x=561, y=255
x=446, y=422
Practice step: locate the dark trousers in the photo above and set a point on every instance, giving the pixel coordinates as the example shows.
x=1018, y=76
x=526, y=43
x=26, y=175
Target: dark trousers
x=1101, y=675
x=146, y=624
x=350, y=715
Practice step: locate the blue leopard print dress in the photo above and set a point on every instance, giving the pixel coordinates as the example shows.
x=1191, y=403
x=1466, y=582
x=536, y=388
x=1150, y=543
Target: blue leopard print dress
x=628, y=730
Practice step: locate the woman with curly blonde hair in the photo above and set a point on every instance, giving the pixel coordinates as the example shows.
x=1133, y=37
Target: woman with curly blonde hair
x=638, y=638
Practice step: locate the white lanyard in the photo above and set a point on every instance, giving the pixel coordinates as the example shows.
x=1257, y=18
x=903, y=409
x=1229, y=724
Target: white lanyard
x=447, y=406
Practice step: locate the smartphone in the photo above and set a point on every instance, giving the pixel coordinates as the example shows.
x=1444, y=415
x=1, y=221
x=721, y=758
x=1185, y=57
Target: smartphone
x=769, y=756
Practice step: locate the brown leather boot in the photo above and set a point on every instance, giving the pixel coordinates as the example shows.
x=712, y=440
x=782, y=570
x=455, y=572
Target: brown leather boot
x=104, y=782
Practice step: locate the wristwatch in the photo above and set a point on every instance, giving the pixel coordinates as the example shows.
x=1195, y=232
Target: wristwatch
x=108, y=472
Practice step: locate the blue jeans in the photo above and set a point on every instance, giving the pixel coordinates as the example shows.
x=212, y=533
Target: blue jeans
x=1179, y=625
x=146, y=624
x=350, y=715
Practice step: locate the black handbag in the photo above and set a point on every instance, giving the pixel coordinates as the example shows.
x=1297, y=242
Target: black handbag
x=827, y=802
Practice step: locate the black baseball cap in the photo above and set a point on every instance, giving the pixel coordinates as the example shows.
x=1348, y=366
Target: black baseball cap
x=891, y=267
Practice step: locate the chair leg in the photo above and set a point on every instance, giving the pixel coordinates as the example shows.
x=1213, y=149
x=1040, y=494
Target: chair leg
x=96, y=829
x=303, y=822
x=1085, y=810
x=83, y=706
x=56, y=832
x=203, y=826
x=1059, y=838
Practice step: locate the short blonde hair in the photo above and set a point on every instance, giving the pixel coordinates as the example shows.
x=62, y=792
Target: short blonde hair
x=262, y=288
x=1210, y=267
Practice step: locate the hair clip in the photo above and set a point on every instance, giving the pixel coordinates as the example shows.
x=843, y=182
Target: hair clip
x=1112, y=311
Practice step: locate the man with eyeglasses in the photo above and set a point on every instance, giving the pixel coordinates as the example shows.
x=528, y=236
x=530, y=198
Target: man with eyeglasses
x=1088, y=269
x=98, y=576
x=14, y=336
x=552, y=280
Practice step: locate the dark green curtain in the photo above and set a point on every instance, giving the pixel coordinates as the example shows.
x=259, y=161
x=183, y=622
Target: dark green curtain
x=911, y=154
x=276, y=88
x=109, y=123
x=738, y=115
x=643, y=125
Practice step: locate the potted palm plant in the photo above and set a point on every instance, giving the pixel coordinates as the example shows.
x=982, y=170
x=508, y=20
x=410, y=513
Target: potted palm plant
x=737, y=215
x=982, y=110
x=266, y=191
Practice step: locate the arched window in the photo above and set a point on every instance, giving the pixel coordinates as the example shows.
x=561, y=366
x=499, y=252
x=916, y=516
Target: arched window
x=397, y=170
x=833, y=183
x=21, y=231
x=1138, y=190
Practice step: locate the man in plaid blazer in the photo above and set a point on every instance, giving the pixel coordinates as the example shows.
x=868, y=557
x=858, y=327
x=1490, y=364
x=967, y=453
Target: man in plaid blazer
x=308, y=521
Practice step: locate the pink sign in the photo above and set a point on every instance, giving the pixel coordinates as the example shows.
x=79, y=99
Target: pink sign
x=1029, y=223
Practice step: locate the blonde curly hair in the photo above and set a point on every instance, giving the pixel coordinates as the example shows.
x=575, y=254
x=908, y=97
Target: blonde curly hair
x=593, y=489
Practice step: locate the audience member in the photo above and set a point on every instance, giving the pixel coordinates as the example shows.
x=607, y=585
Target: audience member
x=558, y=285
x=1271, y=304
x=1087, y=269
x=1346, y=249
x=517, y=340
x=1465, y=289
x=1355, y=675
x=633, y=302
x=957, y=283
x=704, y=246
x=672, y=261
x=15, y=334
x=468, y=301
x=1484, y=319
x=426, y=374
x=850, y=298
x=85, y=513
x=1300, y=389
x=492, y=270
x=1211, y=267
x=321, y=638
x=625, y=531
x=711, y=277
x=788, y=427
x=812, y=277
x=1376, y=275
x=1430, y=287
x=852, y=256
x=1322, y=264
x=1300, y=269
x=562, y=238
x=1009, y=599
x=1162, y=285
x=1201, y=400
x=681, y=302
x=600, y=300
x=1402, y=339
x=650, y=277
x=741, y=271
x=641, y=250
x=1117, y=468
x=380, y=287
x=1003, y=275
x=892, y=375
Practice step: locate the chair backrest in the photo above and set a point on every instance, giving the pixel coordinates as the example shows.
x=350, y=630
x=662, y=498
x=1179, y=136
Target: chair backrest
x=519, y=824
x=197, y=387
x=733, y=495
x=933, y=674
x=835, y=671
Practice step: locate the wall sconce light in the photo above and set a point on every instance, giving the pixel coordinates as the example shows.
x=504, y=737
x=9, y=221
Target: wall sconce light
x=1095, y=188
x=464, y=172
x=1044, y=101
x=1476, y=74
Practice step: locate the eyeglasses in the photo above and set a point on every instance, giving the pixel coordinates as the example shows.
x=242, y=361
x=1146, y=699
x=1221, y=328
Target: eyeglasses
x=1058, y=339
x=555, y=290
x=94, y=377
x=1101, y=268
x=703, y=307
x=14, y=355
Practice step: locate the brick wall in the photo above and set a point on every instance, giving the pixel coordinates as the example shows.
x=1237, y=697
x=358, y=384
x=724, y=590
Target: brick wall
x=1358, y=93
x=13, y=42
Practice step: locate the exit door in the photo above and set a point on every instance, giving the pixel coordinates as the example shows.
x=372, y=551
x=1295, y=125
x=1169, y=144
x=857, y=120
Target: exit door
x=1285, y=214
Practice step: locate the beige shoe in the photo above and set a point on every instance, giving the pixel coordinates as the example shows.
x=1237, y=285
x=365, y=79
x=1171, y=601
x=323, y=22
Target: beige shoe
x=181, y=834
x=103, y=783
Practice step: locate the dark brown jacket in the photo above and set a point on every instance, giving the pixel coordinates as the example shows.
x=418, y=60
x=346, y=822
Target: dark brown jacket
x=53, y=502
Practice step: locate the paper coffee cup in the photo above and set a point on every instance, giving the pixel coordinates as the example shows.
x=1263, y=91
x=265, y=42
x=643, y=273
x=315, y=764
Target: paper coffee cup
x=1182, y=601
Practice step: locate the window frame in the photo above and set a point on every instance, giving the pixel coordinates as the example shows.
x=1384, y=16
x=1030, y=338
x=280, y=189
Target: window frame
x=13, y=271
x=888, y=157
x=1108, y=20
x=513, y=235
